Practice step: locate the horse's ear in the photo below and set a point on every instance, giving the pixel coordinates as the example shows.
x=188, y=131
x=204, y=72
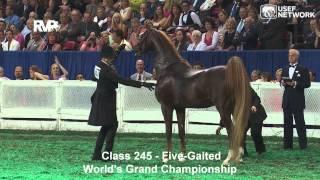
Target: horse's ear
x=148, y=24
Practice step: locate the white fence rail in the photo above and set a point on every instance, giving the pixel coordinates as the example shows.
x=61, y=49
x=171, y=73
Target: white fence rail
x=65, y=105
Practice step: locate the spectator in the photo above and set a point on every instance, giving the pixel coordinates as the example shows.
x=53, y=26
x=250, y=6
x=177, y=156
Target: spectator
x=196, y=4
x=197, y=44
x=35, y=7
x=134, y=32
x=2, y=37
x=104, y=39
x=35, y=72
x=92, y=7
x=278, y=75
x=2, y=74
x=141, y=74
x=88, y=25
x=197, y=66
x=64, y=9
x=11, y=44
x=90, y=44
x=151, y=7
x=118, y=39
x=255, y=75
x=3, y=26
x=17, y=35
x=313, y=38
x=143, y=13
x=312, y=75
x=52, y=43
x=101, y=18
x=159, y=20
x=27, y=28
x=33, y=15
x=266, y=77
x=80, y=77
x=173, y=19
x=117, y=24
x=21, y=10
x=227, y=43
x=108, y=6
x=11, y=18
x=243, y=13
x=18, y=73
x=125, y=11
x=210, y=37
x=35, y=42
x=248, y=38
x=181, y=40
x=54, y=72
x=73, y=31
x=223, y=16
x=64, y=23
x=188, y=17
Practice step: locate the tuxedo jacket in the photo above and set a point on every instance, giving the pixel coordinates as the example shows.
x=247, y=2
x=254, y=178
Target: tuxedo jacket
x=293, y=97
x=260, y=115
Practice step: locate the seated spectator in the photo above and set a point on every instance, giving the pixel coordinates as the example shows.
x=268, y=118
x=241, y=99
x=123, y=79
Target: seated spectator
x=117, y=24
x=181, y=40
x=2, y=74
x=125, y=11
x=188, y=16
x=17, y=35
x=159, y=20
x=101, y=18
x=11, y=44
x=143, y=13
x=18, y=73
x=104, y=39
x=210, y=37
x=2, y=37
x=248, y=38
x=70, y=36
x=89, y=25
x=11, y=18
x=134, y=32
x=118, y=39
x=278, y=75
x=27, y=28
x=54, y=72
x=35, y=73
x=197, y=66
x=196, y=4
x=52, y=43
x=312, y=75
x=141, y=74
x=35, y=42
x=151, y=7
x=80, y=77
x=92, y=7
x=21, y=10
x=255, y=75
x=47, y=16
x=197, y=44
x=90, y=44
x=229, y=35
x=313, y=38
x=243, y=14
x=223, y=16
x=173, y=19
x=64, y=21
x=33, y=15
x=36, y=7
x=3, y=25
x=266, y=77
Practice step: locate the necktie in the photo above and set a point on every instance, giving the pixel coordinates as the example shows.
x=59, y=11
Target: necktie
x=139, y=77
x=293, y=66
x=240, y=26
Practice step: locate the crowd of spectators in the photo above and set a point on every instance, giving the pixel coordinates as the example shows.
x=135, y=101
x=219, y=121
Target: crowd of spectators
x=193, y=25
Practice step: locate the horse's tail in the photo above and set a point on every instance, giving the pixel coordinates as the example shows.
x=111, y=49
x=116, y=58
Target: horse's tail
x=238, y=98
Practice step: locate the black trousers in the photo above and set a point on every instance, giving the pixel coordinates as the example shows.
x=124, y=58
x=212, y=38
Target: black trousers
x=288, y=128
x=256, y=133
x=106, y=134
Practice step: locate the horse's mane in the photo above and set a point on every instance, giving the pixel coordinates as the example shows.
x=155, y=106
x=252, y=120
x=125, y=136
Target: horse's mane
x=163, y=38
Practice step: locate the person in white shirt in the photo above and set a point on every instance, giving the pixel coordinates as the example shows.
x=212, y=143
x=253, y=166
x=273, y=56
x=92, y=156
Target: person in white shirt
x=141, y=74
x=10, y=44
x=189, y=17
x=197, y=44
x=2, y=76
x=211, y=37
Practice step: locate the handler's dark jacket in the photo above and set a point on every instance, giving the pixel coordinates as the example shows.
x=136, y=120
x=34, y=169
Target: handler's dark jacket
x=103, y=110
x=261, y=114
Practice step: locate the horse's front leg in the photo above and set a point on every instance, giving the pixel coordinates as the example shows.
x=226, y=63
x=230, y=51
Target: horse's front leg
x=167, y=112
x=181, y=115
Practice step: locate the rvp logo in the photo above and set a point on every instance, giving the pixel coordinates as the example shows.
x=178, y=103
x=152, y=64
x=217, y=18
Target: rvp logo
x=39, y=26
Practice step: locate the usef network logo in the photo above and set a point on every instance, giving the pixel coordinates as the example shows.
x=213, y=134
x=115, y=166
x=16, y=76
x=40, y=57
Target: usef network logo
x=270, y=11
x=51, y=26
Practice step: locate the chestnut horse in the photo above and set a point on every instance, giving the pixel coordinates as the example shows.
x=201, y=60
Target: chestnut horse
x=179, y=87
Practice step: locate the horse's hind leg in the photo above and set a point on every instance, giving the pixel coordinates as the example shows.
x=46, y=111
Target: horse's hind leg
x=181, y=114
x=167, y=112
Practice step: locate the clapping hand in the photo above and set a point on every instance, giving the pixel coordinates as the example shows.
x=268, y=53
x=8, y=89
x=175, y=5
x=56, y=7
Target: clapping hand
x=150, y=86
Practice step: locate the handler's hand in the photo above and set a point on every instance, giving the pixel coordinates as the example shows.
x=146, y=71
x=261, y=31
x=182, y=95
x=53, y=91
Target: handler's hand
x=254, y=109
x=150, y=86
x=218, y=130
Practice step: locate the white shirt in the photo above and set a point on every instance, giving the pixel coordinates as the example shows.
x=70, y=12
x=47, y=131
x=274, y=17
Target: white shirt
x=214, y=42
x=14, y=46
x=291, y=70
x=199, y=47
x=195, y=18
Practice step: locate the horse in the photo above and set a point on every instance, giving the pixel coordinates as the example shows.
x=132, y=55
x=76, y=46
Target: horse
x=180, y=87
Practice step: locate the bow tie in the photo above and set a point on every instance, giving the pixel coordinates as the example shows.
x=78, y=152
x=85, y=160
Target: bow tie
x=293, y=66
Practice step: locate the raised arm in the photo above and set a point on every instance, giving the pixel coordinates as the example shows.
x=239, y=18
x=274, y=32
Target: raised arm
x=64, y=71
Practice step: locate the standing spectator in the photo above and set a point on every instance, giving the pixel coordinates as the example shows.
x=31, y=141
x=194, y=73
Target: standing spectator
x=11, y=18
x=2, y=74
x=134, y=32
x=210, y=37
x=125, y=11
x=17, y=35
x=141, y=74
x=52, y=43
x=11, y=44
x=35, y=42
x=227, y=43
x=188, y=17
x=313, y=38
x=247, y=39
x=89, y=25
x=293, y=102
x=181, y=40
x=117, y=24
x=118, y=39
x=18, y=73
x=159, y=20
x=197, y=44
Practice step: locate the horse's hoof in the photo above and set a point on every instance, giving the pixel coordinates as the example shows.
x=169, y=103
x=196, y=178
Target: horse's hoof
x=182, y=159
x=165, y=160
x=226, y=163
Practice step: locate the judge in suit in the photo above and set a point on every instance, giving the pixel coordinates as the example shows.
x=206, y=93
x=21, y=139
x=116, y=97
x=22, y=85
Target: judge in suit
x=295, y=78
x=141, y=74
x=103, y=110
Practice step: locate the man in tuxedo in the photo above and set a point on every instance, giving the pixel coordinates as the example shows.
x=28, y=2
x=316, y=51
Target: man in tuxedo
x=295, y=78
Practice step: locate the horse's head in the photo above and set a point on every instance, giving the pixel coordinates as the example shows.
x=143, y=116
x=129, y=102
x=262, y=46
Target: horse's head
x=145, y=40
